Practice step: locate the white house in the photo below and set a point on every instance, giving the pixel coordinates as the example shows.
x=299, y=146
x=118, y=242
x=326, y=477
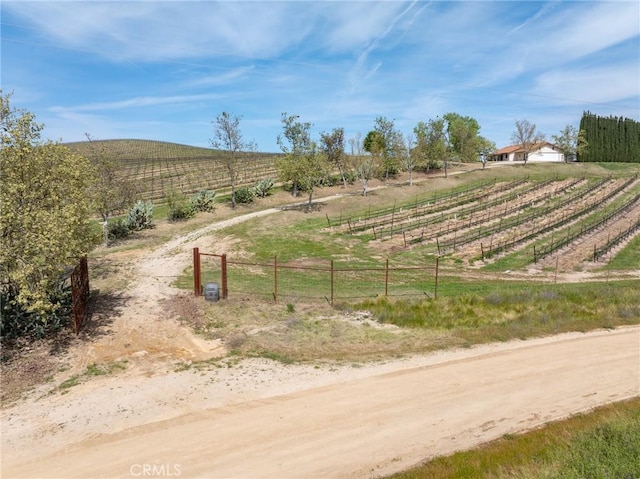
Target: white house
x=540, y=152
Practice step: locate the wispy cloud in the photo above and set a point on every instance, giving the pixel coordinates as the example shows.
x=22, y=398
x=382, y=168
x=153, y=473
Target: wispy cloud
x=137, y=102
x=591, y=85
x=139, y=68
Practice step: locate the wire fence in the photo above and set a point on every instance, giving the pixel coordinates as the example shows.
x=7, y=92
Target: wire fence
x=312, y=280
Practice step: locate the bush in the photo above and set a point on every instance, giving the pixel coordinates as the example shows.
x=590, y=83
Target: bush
x=180, y=208
x=263, y=187
x=118, y=228
x=204, y=200
x=141, y=216
x=16, y=321
x=245, y=194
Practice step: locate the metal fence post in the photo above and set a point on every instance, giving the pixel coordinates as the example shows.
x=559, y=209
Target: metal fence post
x=332, y=271
x=386, y=278
x=435, y=288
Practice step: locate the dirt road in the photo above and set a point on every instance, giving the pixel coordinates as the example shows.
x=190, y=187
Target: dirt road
x=346, y=425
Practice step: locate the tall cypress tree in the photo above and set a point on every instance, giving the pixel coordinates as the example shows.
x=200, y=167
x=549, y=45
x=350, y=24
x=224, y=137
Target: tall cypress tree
x=612, y=139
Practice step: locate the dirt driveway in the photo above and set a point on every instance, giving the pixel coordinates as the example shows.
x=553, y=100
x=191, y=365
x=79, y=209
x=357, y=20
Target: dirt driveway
x=257, y=420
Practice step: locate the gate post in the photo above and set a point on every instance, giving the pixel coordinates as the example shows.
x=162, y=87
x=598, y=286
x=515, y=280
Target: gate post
x=197, y=280
x=223, y=273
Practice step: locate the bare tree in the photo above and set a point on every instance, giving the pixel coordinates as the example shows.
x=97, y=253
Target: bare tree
x=526, y=136
x=409, y=155
x=364, y=166
x=228, y=137
x=111, y=189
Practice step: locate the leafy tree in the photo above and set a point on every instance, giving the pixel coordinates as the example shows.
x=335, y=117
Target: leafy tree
x=384, y=142
x=302, y=165
x=485, y=148
x=432, y=143
x=228, y=137
x=44, y=212
x=332, y=145
x=571, y=141
x=463, y=137
x=526, y=136
x=111, y=189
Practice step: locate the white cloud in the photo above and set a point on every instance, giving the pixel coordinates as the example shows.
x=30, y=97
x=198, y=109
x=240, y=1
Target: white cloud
x=136, y=102
x=590, y=85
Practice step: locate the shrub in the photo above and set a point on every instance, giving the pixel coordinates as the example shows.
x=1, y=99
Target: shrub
x=245, y=194
x=141, y=216
x=180, y=208
x=204, y=200
x=17, y=321
x=263, y=187
x=118, y=228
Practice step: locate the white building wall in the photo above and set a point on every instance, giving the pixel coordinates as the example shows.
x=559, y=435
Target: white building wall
x=546, y=154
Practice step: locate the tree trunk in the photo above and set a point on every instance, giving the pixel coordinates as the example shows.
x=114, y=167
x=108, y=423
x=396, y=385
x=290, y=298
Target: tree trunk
x=105, y=231
x=310, y=200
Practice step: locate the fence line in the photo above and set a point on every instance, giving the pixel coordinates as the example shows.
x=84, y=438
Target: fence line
x=324, y=280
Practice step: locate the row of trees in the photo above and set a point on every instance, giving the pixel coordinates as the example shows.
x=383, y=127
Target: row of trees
x=383, y=152
x=610, y=139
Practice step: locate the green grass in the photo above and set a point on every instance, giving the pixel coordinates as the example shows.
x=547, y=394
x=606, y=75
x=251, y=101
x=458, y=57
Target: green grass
x=93, y=370
x=602, y=444
x=628, y=258
x=492, y=313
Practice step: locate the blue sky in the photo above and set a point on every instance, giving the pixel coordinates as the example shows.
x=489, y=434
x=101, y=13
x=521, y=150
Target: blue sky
x=164, y=70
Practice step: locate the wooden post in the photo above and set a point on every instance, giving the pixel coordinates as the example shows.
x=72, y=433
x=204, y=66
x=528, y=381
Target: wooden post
x=197, y=285
x=223, y=276
x=275, y=279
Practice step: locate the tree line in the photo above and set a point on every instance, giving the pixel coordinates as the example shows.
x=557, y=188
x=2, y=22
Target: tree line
x=610, y=139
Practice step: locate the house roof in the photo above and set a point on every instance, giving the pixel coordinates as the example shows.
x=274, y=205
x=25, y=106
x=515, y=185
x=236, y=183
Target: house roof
x=517, y=148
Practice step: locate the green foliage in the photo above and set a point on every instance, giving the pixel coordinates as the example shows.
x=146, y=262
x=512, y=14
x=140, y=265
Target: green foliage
x=264, y=187
x=18, y=321
x=118, y=228
x=302, y=165
x=140, y=216
x=610, y=139
x=44, y=214
x=204, y=200
x=180, y=208
x=245, y=195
